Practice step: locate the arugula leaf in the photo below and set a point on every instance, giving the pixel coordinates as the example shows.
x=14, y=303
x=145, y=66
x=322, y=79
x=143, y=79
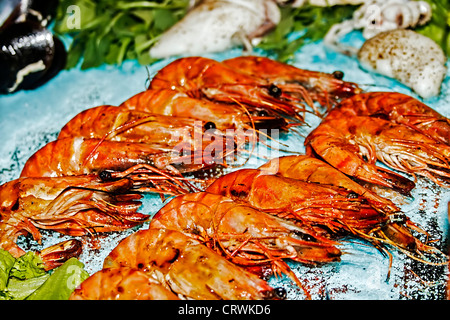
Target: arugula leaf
x=112, y=31
x=299, y=26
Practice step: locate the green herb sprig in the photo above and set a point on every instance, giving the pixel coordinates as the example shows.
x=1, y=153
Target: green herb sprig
x=308, y=23
x=438, y=28
x=111, y=31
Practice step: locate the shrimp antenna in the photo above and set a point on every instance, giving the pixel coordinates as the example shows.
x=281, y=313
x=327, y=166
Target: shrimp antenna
x=139, y=170
x=304, y=94
x=148, y=80
x=253, y=129
x=277, y=263
x=121, y=128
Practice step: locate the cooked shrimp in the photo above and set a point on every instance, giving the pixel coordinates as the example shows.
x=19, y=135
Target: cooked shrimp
x=75, y=156
x=245, y=236
x=354, y=144
x=218, y=115
x=307, y=168
x=121, y=284
x=55, y=255
x=206, y=78
x=399, y=108
x=121, y=124
x=311, y=169
x=335, y=208
x=327, y=89
x=187, y=267
x=75, y=206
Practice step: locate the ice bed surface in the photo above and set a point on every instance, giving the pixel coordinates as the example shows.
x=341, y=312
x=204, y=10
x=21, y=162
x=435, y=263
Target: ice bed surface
x=30, y=119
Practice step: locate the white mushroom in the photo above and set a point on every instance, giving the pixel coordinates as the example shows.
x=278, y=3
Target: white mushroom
x=217, y=25
x=413, y=59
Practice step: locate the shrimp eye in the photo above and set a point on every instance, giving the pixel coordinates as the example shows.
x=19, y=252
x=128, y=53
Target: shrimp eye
x=209, y=125
x=105, y=175
x=262, y=113
x=280, y=293
x=274, y=91
x=339, y=75
x=352, y=195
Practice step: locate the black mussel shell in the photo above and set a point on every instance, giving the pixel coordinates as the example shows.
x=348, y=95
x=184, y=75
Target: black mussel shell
x=58, y=63
x=39, y=10
x=29, y=56
x=9, y=12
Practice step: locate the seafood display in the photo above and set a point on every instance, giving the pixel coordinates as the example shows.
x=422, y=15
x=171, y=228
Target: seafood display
x=225, y=235
x=329, y=210
x=244, y=235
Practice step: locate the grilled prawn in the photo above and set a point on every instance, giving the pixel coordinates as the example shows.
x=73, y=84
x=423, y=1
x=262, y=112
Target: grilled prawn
x=335, y=208
x=120, y=124
x=307, y=168
x=187, y=267
x=76, y=156
x=331, y=209
x=311, y=169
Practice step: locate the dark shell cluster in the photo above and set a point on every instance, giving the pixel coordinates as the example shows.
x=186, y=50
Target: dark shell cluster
x=30, y=54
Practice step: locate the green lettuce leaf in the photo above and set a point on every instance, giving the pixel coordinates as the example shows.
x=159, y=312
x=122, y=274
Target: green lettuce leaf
x=62, y=282
x=28, y=266
x=20, y=289
x=25, y=278
x=6, y=264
